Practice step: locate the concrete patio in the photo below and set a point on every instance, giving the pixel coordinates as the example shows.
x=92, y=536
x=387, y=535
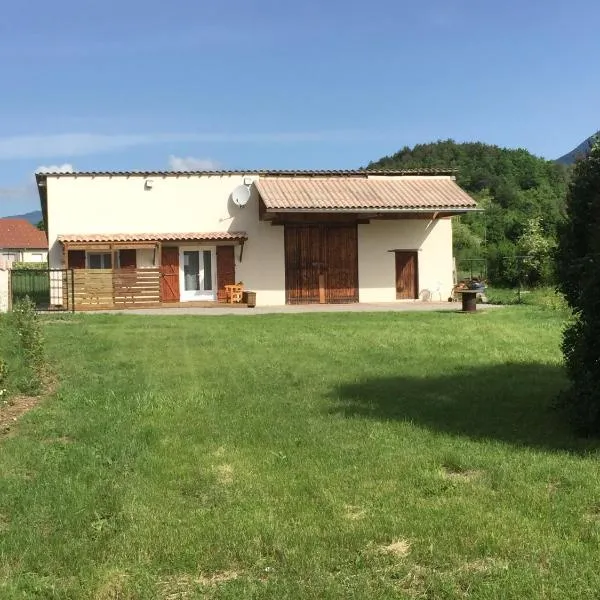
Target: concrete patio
x=302, y=308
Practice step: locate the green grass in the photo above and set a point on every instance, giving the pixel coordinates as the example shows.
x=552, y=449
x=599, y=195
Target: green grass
x=20, y=375
x=544, y=297
x=279, y=456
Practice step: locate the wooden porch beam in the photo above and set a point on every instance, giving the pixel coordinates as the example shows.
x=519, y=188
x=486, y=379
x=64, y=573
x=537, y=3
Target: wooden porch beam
x=158, y=254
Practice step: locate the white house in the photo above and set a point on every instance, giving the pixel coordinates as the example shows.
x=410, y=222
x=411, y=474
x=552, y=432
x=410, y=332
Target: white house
x=158, y=238
x=20, y=241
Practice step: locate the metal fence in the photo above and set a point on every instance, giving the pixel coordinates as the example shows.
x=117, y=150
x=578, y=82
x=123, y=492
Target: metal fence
x=471, y=268
x=48, y=289
x=515, y=271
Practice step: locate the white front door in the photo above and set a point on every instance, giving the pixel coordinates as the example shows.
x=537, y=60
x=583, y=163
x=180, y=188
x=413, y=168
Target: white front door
x=197, y=273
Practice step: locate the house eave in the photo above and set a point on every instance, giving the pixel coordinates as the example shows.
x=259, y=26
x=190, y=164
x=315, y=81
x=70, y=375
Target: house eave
x=398, y=211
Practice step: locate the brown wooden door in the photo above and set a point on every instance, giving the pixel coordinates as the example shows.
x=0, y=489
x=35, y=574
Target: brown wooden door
x=169, y=275
x=225, y=270
x=321, y=264
x=407, y=275
x=303, y=263
x=341, y=275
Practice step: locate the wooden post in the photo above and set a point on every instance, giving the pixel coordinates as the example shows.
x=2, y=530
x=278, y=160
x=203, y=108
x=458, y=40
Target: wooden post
x=112, y=264
x=157, y=254
x=321, y=288
x=66, y=255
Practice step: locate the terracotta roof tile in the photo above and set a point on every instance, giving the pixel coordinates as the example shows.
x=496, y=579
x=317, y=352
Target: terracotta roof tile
x=213, y=236
x=19, y=233
x=372, y=193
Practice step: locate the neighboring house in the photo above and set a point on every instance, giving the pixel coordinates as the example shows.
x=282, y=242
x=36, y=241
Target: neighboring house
x=20, y=241
x=151, y=238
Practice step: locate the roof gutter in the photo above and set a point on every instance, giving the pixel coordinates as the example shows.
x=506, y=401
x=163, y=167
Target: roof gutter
x=376, y=210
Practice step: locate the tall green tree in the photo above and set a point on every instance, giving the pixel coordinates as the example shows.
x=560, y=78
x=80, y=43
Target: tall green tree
x=514, y=187
x=578, y=268
x=535, y=248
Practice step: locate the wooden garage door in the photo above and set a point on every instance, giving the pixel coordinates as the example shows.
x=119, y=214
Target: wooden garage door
x=407, y=275
x=341, y=275
x=321, y=264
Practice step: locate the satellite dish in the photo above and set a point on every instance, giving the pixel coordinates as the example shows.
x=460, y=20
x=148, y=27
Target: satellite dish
x=241, y=195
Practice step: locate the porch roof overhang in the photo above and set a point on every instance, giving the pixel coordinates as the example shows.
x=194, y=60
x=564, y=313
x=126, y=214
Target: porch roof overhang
x=145, y=240
x=366, y=197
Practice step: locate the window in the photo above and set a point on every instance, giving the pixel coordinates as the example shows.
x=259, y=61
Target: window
x=99, y=260
x=37, y=258
x=207, y=259
x=10, y=257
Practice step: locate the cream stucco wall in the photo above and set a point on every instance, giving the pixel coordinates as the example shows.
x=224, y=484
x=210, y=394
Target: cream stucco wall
x=376, y=263
x=4, y=290
x=104, y=205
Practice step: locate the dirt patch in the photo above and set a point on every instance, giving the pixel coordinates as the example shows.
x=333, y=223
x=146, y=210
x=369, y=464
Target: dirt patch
x=14, y=408
x=224, y=474
x=464, y=475
x=593, y=515
x=4, y=522
x=354, y=513
x=399, y=548
x=113, y=587
x=180, y=587
x=484, y=565
x=415, y=583
x=217, y=578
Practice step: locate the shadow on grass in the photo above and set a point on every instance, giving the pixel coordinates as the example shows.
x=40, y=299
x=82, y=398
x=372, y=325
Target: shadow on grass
x=511, y=403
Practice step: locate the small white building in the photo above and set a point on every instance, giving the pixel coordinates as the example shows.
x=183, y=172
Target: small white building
x=20, y=241
x=165, y=238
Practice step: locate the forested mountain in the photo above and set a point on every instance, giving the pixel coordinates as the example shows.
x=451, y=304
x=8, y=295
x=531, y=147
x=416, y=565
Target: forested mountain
x=523, y=198
x=33, y=217
x=581, y=150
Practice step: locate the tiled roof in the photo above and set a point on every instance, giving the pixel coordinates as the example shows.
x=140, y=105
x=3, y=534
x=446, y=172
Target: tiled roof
x=213, y=236
x=260, y=172
x=372, y=193
x=19, y=233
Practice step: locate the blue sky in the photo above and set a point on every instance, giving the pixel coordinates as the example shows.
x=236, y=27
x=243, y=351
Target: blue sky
x=273, y=84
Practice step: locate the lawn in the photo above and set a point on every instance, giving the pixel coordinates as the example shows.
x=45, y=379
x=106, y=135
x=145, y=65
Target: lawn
x=301, y=456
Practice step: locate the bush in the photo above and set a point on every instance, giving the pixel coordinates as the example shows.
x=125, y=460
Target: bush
x=578, y=269
x=30, y=340
x=30, y=266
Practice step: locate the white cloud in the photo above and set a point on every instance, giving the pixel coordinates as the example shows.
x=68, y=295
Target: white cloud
x=79, y=144
x=16, y=191
x=190, y=163
x=24, y=197
x=64, y=168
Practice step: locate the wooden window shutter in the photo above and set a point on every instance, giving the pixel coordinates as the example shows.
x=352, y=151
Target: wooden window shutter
x=127, y=259
x=225, y=270
x=76, y=259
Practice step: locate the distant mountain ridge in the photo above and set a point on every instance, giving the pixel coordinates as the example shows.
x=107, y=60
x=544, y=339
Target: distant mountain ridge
x=35, y=216
x=581, y=150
